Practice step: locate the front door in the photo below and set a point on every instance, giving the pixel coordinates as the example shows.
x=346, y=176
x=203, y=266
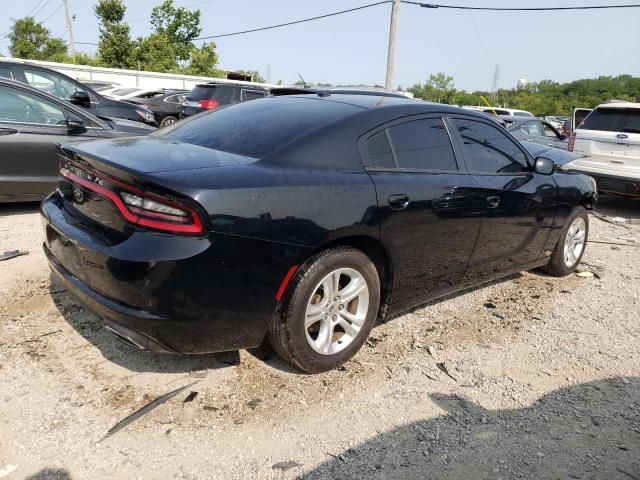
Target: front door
x=428, y=209
x=519, y=204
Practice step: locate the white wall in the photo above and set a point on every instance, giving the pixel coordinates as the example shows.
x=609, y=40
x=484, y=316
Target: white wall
x=130, y=78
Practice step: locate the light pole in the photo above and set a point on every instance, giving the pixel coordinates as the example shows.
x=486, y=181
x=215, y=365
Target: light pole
x=391, y=55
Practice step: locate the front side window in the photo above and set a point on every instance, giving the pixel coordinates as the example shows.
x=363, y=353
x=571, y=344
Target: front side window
x=17, y=106
x=56, y=85
x=423, y=144
x=532, y=128
x=488, y=150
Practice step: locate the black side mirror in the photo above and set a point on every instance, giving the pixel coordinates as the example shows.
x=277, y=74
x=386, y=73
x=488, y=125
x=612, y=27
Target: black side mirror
x=80, y=98
x=75, y=124
x=544, y=166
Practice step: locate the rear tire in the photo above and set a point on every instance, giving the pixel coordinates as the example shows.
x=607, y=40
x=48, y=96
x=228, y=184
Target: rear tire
x=166, y=121
x=568, y=251
x=328, y=310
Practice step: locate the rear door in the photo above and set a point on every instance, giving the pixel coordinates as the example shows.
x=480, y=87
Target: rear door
x=519, y=205
x=428, y=211
x=30, y=126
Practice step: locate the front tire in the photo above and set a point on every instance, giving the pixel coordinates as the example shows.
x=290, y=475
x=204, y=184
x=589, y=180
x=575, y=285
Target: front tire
x=569, y=250
x=328, y=312
x=166, y=121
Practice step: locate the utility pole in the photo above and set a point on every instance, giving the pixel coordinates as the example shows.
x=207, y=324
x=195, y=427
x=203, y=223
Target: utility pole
x=391, y=55
x=494, y=85
x=69, y=28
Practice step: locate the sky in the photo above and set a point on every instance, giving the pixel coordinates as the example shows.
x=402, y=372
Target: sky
x=352, y=48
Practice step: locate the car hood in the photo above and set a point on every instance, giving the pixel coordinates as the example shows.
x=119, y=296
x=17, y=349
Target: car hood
x=129, y=126
x=559, y=156
x=152, y=154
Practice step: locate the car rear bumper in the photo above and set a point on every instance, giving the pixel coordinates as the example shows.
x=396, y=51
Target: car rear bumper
x=614, y=184
x=169, y=293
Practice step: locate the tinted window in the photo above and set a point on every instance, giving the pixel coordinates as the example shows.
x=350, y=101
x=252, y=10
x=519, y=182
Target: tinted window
x=613, y=120
x=5, y=72
x=423, y=144
x=51, y=83
x=522, y=114
x=488, y=150
x=548, y=131
x=124, y=91
x=175, y=98
x=19, y=106
x=257, y=129
x=379, y=151
x=252, y=95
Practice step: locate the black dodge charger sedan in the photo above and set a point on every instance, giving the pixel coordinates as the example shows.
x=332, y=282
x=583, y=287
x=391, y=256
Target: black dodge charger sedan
x=303, y=219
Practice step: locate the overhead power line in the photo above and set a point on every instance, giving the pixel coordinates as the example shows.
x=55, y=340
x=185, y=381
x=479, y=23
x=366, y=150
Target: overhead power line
x=520, y=9
x=424, y=5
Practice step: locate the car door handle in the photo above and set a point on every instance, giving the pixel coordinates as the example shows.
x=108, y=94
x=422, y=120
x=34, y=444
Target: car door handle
x=493, y=201
x=8, y=131
x=398, y=201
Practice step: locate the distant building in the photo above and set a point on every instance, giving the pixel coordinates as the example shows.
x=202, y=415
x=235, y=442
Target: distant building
x=521, y=83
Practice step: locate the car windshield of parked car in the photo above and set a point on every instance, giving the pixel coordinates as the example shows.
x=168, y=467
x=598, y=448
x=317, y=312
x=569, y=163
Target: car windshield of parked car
x=55, y=85
x=488, y=150
x=613, y=120
x=257, y=128
x=21, y=107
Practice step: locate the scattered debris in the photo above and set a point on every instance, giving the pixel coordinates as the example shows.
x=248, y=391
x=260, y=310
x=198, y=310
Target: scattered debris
x=584, y=274
x=431, y=351
x=210, y=408
x=624, y=472
x=12, y=254
x=146, y=409
x=443, y=368
x=614, y=220
x=37, y=339
x=252, y=404
x=499, y=316
x=629, y=242
x=284, y=466
x=190, y=397
x=4, y=471
x=490, y=305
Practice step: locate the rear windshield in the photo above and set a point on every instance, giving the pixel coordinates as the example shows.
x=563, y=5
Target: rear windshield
x=202, y=93
x=522, y=114
x=257, y=129
x=613, y=120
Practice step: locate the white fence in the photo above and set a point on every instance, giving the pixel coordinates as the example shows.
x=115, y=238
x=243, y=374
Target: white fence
x=130, y=78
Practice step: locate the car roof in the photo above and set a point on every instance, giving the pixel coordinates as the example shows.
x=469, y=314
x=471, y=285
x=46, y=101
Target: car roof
x=237, y=85
x=621, y=105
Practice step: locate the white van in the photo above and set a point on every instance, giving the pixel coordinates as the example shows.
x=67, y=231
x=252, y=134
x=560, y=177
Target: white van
x=609, y=137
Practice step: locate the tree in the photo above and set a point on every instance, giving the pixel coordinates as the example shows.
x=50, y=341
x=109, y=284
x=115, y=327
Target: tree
x=203, y=61
x=115, y=46
x=154, y=53
x=31, y=40
x=179, y=26
x=438, y=88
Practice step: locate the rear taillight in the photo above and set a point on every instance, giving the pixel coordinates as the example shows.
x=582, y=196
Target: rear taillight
x=571, y=142
x=136, y=207
x=208, y=104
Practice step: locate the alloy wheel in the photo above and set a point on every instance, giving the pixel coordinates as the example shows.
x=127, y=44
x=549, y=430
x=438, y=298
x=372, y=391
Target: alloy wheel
x=336, y=311
x=574, y=242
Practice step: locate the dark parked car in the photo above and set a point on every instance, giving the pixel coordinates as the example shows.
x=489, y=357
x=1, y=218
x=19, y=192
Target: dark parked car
x=73, y=91
x=303, y=218
x=166, y=107
x=538, y=131
x=212, y=95
x=31, y=124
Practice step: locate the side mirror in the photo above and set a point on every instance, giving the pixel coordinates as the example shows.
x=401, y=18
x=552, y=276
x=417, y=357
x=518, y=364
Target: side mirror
x=563, y=136
x=80, y=98
x=75, y=124
x=544, y=166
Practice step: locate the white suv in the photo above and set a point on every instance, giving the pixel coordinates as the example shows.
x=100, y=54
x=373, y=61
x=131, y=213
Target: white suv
x=609, y=137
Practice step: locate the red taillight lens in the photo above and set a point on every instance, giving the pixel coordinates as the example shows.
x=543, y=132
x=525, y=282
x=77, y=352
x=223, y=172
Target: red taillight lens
x=571, y=142
x=208, y=104
x=141, y=208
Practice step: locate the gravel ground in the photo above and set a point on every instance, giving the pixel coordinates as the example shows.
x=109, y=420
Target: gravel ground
x=529, y=377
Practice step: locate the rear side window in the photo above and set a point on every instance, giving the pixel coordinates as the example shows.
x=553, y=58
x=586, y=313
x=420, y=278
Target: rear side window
x=423, y=144
x=613, y=120
x=488, y=150
x=379, y=151
x=252, y=95
x=257, y=129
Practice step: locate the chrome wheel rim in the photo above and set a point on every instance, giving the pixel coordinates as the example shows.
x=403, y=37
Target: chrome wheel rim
x=169, y=122
x=336, y=311
x=574, y=242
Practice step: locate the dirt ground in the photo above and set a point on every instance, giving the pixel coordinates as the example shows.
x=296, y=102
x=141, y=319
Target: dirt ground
x=530, y=377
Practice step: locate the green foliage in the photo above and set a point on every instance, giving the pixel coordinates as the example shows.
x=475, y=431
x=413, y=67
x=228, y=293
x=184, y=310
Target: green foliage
x=115, y=46
x=179, y=26
x=154, y=53
x=545, y=97
x=30, y=39
x=203, y=62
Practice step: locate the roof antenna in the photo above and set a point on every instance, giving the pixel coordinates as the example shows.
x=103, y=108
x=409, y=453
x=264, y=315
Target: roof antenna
x=303, y=82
